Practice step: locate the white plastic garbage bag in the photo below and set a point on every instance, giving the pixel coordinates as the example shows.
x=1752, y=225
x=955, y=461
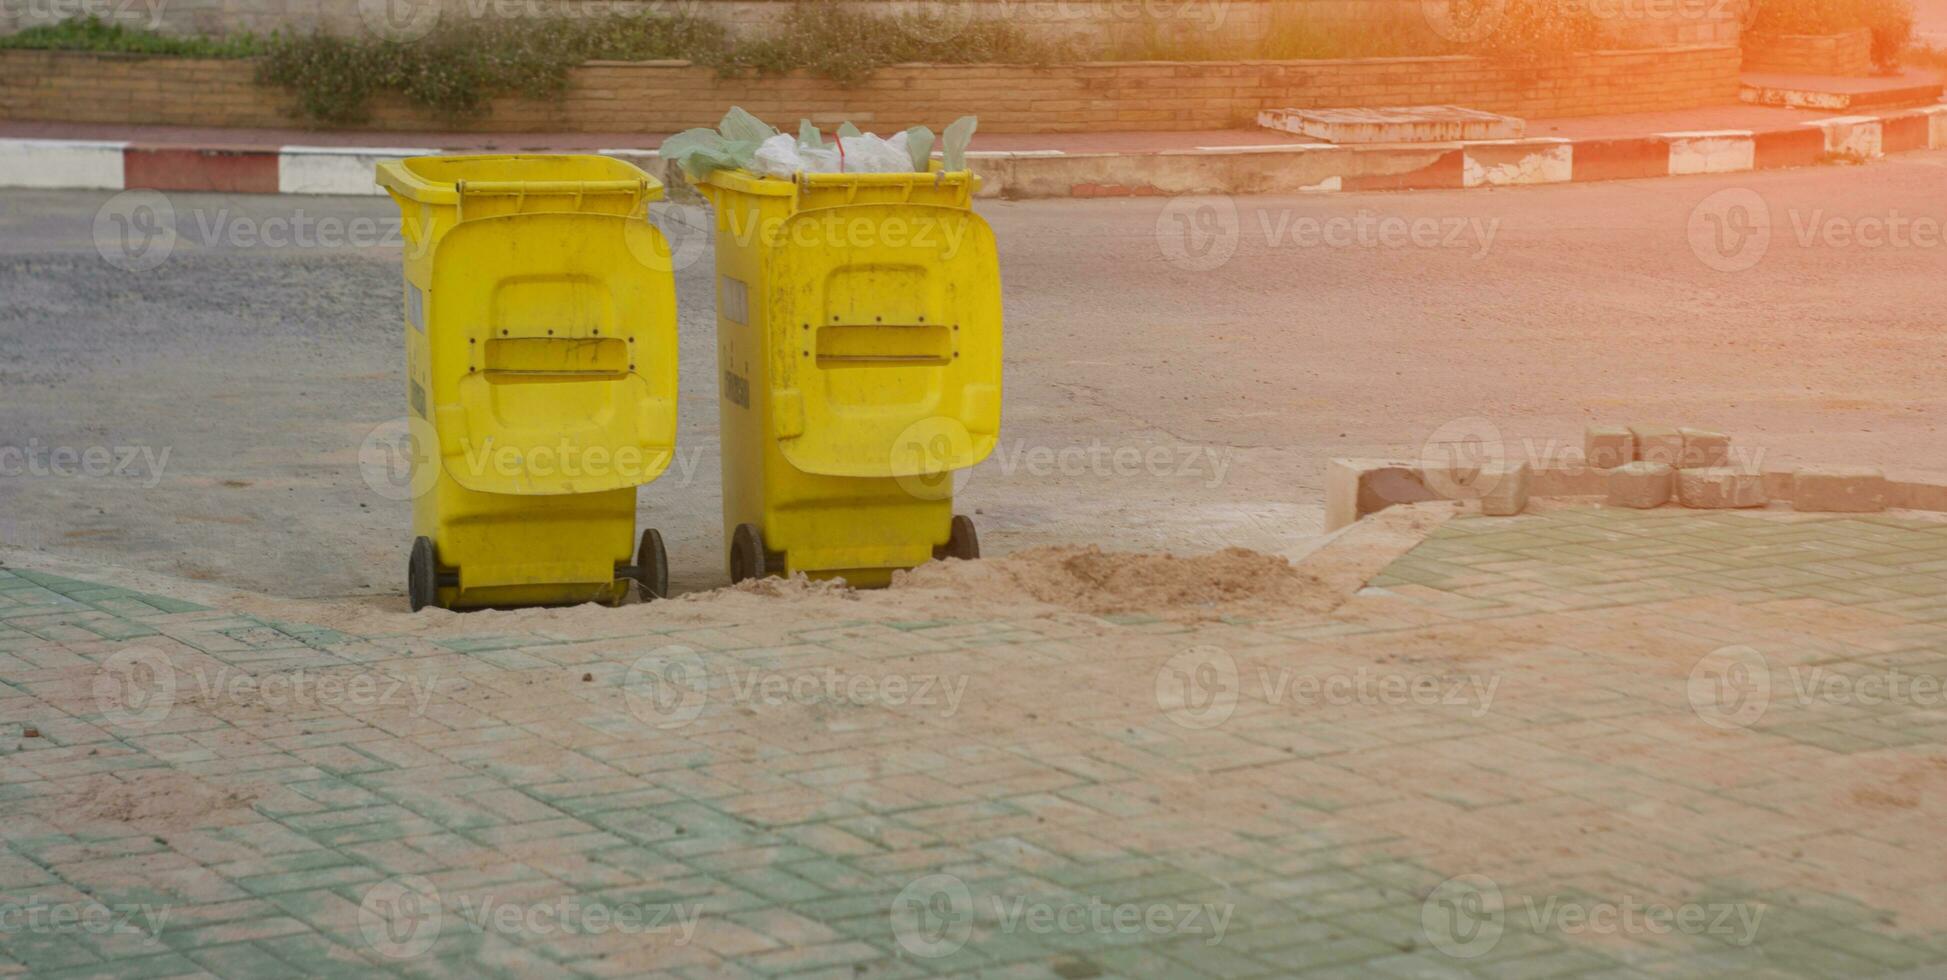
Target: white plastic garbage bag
x=869, y=154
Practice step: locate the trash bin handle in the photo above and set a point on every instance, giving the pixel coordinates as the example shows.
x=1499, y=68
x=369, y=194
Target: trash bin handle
x=522, y=188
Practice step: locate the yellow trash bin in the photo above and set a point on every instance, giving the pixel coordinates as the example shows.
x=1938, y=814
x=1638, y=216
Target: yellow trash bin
x=540, y=326
x=859, y=348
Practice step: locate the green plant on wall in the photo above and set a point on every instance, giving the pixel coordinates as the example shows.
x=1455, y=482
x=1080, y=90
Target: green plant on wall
x=91, y=33
x=1891, y=21
x=459, y=71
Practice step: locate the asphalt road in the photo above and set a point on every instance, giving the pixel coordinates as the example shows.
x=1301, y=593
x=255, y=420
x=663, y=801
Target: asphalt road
x=205, y=412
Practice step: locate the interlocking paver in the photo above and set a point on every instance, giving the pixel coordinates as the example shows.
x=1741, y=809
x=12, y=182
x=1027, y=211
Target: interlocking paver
x=1516, y=700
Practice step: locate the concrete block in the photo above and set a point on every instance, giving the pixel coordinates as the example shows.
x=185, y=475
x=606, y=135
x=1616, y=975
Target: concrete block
x=1568, y=481
x=1702, y=447
x=1503, y=163
x=1840, y=489
x=1640, y=485
x=1608, y=446
x=1506, y=487
x=1357, y=487
x=1715, y=152
x=1917, y=490
x=1720, y=487
x=1657, y=444
x=1857, y=137
x=1404, y=124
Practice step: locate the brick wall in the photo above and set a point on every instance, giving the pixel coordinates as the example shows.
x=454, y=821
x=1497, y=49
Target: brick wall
x=663, y=97
x=1850, y=53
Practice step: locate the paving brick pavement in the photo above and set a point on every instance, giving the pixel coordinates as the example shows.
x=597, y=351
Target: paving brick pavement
x=1580, y=742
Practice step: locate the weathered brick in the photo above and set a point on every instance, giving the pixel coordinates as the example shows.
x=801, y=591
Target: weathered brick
x=1504, y=489
x=1839, y=489
x=1657, y=444
x=1717, y=487
x=1609, y=446
x=1640, y=485
x=1702, y=447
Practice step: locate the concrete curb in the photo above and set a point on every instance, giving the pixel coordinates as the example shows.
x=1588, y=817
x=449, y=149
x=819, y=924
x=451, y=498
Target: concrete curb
x=1285, y=168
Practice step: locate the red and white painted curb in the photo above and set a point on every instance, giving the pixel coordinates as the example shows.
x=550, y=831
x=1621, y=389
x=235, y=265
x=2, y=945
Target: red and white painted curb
x=1277, y=168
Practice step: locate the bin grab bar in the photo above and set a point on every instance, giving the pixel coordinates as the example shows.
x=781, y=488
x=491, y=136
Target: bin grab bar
x=462, y=189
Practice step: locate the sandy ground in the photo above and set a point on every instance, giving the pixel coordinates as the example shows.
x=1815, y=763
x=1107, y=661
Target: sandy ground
x=1231, y=352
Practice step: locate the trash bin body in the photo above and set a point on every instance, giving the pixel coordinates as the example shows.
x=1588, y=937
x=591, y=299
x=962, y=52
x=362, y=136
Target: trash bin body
x=540, y=328
x=859, y=356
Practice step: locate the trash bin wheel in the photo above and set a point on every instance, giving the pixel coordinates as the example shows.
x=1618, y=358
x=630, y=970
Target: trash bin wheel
x=963, y=543
x=422, y=574
x=652, y=566
x=748, y=559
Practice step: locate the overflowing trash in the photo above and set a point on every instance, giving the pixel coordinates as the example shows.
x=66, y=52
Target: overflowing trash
x=744, y=142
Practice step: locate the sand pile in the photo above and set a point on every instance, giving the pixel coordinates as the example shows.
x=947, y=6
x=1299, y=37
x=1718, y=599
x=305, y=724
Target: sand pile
x=1088, y=579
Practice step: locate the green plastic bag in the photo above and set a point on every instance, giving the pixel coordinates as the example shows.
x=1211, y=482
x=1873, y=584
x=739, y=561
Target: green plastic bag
x=954, y=143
